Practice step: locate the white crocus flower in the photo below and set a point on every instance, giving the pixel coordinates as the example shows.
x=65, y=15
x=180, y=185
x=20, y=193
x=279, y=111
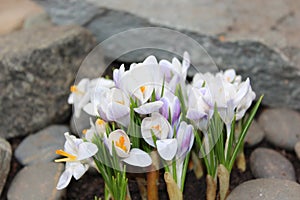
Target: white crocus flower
x=141, y=79
x=121, y=142
x=114, y=106
x=97, y=88
x=149, y=108
x=99, y=127
x=185, y=140
x=245, y=104
x=76, y=152
x=79, y=96
x=157, y=126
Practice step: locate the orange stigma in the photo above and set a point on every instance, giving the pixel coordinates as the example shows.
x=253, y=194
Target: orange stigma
x=157, y=127
x=121, y=143
x=143, y=88
x=74, y=89
x=84, y=131
x=69, y=157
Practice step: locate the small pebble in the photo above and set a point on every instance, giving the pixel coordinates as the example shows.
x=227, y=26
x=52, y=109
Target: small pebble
x=41, y=146
x=37, y=182
x=254, y=135
x=281, y=126
x=267, y=163
x=5, y=157
x=266, y=189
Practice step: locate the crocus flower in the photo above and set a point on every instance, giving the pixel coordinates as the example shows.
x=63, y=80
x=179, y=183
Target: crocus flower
x=99, y=127
x=171, y=106
x=141, y=79
x=79, y=96
x=157, y=126
x=121, y=142
x=76, y=152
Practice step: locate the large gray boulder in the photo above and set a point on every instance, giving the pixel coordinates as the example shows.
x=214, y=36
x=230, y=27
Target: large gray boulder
x=37, y=68
x=263, y=48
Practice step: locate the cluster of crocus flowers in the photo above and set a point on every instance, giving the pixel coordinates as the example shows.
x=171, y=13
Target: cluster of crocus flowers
x=152, y=109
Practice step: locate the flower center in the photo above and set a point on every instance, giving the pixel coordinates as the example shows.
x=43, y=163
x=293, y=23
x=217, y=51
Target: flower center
x=157, y=127
x=69, y=157
x=121, y=143
x=100, y=122
x=121, y=102
x=84, y=131
x=143, y=89
x=74, y=89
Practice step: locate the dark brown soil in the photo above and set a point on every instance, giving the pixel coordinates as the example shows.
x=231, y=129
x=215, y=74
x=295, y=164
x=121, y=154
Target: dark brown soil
x=91, y=184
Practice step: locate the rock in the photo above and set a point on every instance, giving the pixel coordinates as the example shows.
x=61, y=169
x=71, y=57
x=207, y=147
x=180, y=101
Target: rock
x=14, y=12
x=281, y=127
x=41, y=146
x=254, y=135
x=266, y=189
x=272, y=73
x=267, y=163
x=39, y=20
x=297, y=149
x=70, y=11
x=37, y=182
x=38, y=67
x=5, y=157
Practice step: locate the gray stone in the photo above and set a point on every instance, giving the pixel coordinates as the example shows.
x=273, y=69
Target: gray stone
x=70, y=11
x=41, y=146
x=282, y=127
x=297, y=149
x=267, y=163
x=266, y=189
x=254, y=135
x=271, y=72
x=37, y=182
x=5, y=157
x=37, y=69
x=38, y=20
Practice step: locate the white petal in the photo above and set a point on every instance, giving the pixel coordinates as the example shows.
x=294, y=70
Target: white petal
x=86, y=150
x=64, y=179
x=149, y=108
x=79, y=170
x=90, y=109
x=115, y=137
x=71, y=99
x=138, y=158
x=167, y=148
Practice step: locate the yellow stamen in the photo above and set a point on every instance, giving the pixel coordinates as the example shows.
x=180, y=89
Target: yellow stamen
x=100, y=122
x=69, y=157
x=121, y=102
x=84, y=131
x=74, y=89
x=143, y=88
x=157, y=127
x=121, y=143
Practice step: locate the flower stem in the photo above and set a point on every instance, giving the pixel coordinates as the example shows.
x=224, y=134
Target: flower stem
x=152, y=177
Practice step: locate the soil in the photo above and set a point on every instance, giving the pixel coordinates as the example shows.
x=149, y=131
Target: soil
x=91, y=184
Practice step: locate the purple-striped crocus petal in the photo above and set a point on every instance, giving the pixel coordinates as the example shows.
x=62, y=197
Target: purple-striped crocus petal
x=138, y=158
x=195, y=114
x=117, y=110
x=164, y=110
x=167, y=148
x=166, y=67
x=117, y=75
x=149, y=107
x=185, y=138
x=176, y=111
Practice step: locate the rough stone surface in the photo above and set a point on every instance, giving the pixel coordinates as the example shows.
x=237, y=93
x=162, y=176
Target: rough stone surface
x=266, y=189
x=40, y=20
x=274, y=73
x=37, y=69
x=282, y=127
x=14, y=12
x=5, y=157
x=41, y=146
x=70, y=11
x=267, y=163
x=297, y=149
x=37, y=182
x=254, y=135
